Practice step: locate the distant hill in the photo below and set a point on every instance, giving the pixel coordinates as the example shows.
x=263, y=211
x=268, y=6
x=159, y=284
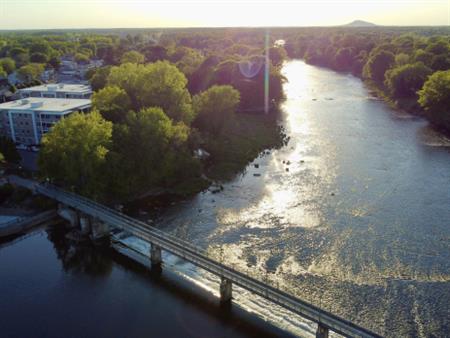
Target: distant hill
x=360, y=23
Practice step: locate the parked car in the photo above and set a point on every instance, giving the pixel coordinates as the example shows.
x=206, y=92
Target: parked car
x=21, y=147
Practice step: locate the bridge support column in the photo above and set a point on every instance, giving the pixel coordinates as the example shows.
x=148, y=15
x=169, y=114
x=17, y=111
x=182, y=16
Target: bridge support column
x=99, y=229
x=225, y=290
x=155, y=255
x=69, y=215
x=322, y=331
x=85, y=223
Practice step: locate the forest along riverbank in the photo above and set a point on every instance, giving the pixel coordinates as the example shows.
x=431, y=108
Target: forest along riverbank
x=351, y=215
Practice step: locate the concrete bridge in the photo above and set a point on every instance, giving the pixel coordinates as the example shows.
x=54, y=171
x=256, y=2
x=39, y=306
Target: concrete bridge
x=97, y=220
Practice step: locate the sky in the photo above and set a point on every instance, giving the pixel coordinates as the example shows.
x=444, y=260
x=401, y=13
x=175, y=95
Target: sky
x=50, y=14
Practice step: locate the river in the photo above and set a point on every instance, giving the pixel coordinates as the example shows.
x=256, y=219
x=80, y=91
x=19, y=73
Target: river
x=352, y=215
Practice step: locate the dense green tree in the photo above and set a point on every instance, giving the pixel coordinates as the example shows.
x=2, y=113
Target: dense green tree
x=30, y=72
x=40, y=46
x=434, y=97
x=20, y=56
x=39, y=58
x=440, y=62
x=8, y=65
x=422, y=56
x=378, y=63
x=215, y=107
x=438, y=47
x=158, y=84
x=344, y=58
x=402, y=59
x=81, y=58
x=406, y=80
x=112, y=102
x=132, y=57
x=3, y=73
x=186, y=59
x=100, y=77
x=74, y=152
x=155, y=53
x=238, y=49
x=148, y=150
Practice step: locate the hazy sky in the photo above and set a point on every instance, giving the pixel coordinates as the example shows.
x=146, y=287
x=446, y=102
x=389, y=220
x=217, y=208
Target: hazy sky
x=23, y=14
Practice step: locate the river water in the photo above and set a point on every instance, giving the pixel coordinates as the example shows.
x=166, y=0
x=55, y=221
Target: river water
x=352, y=215
x=53, y=287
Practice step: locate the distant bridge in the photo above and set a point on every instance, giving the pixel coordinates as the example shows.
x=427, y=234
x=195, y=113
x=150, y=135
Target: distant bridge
x=98, y=219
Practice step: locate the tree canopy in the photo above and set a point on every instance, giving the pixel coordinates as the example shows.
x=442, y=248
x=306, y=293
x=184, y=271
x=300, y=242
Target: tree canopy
x=434, y=97
x=112, y=102
x=149, y=150
x=31, y=72
x=377, y=65
x=158, y=84
x=74, y=152
x=214, y=107
x=132, y=57
x=406, y=80
x=8, y=65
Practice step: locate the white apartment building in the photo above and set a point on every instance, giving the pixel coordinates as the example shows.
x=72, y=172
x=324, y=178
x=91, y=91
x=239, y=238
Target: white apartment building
x=26, y=120
x=58, y=90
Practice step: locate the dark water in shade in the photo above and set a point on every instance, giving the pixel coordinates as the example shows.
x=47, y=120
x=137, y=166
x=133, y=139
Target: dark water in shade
x=50, y=287
x=360, y=222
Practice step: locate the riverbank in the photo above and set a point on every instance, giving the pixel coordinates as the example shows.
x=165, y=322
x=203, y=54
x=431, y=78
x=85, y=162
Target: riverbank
x=409, y=105
x=244, y=139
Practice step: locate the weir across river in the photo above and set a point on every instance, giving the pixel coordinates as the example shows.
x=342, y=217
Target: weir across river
x=100, y=219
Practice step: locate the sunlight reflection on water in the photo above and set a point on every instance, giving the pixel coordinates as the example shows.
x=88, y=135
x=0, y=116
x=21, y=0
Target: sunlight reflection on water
x=351, y=214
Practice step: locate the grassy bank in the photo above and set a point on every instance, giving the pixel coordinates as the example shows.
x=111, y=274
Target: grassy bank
x=241, y=142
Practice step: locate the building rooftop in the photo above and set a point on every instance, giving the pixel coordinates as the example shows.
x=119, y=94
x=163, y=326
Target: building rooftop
x=46, y=104
x=60, y=87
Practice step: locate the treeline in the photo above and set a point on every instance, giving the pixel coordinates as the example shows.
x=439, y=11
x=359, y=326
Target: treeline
x=158, y=101
x=412, y=69
x=30, y=54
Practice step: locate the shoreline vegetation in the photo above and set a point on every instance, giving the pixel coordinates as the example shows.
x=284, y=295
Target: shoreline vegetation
x=172, y=113
x=176, y=110
x=409, y=68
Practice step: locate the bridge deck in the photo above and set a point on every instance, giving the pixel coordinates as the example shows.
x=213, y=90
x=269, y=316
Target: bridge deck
x=199, y=257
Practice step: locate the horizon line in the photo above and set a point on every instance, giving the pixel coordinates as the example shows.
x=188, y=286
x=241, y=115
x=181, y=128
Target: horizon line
x=214, y=27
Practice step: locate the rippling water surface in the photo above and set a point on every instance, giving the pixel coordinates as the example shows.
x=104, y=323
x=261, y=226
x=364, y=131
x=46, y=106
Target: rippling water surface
x=352, y=215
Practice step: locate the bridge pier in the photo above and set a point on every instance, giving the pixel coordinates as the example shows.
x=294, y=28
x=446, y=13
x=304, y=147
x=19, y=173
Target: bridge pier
x=226, y=290
x=68, y=214
x=85, y=223
x=155, y=255
x=322, y=331
x=99, y=229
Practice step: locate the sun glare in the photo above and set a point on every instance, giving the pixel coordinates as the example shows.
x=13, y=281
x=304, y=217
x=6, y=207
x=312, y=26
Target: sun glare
x=217, y=13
